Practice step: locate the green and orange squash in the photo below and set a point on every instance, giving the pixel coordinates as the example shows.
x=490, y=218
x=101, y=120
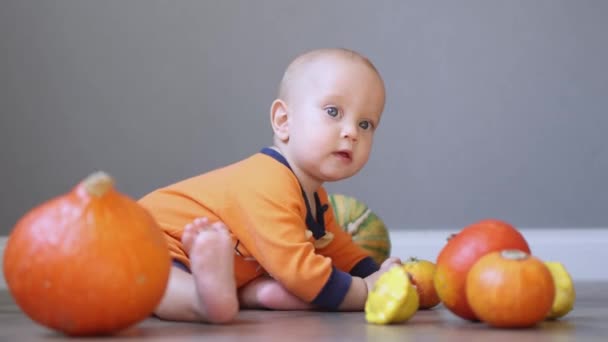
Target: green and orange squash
x=366, y=228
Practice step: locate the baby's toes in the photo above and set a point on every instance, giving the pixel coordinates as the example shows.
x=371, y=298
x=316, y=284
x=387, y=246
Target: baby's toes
x=219, y=227
x=189, y=235
x=200, y=223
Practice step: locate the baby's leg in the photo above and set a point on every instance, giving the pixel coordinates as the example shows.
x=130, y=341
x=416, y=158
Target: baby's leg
x=209, y=293
x=267, y=293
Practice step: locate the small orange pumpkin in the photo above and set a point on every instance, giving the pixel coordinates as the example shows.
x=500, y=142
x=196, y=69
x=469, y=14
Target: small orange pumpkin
x=88, y=262
x=462, y=251
x=510, y=289
x=422, y=273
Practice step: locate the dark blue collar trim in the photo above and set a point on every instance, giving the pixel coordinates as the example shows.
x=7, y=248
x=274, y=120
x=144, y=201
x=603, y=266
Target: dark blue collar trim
x=275, y=155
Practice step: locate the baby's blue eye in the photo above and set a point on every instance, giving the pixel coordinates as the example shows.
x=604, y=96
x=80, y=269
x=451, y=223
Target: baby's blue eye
x=365, y=124
x=332, y=111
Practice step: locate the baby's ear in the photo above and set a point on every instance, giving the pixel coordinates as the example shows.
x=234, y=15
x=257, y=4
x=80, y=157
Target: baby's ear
x=279, y=119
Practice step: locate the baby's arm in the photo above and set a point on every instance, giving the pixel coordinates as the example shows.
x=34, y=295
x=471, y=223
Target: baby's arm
x=269, y=222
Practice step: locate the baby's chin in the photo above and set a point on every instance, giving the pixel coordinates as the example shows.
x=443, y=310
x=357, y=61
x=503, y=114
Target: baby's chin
x=337, y=176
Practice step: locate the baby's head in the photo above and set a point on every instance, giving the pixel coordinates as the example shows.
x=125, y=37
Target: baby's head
x=329, y=105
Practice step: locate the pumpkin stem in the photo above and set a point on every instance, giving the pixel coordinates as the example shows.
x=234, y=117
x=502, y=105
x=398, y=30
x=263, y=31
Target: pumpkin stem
x=453, y=235
x=98, y=183
x=514, y=254
x=412, y=259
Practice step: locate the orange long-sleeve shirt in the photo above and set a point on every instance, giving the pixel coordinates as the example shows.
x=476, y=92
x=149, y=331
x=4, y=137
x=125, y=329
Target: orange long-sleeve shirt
x=262, y=203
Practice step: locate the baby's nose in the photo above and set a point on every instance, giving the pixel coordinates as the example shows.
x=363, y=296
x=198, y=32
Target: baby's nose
x=350, y=131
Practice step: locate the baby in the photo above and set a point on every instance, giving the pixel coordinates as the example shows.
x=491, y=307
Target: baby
x=259, y=233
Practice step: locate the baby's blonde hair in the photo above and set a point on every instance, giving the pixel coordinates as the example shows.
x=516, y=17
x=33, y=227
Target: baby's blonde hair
x=292, y=70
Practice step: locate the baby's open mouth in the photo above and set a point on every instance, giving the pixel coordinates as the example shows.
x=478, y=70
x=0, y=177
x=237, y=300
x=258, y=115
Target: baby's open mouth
x=343, y=154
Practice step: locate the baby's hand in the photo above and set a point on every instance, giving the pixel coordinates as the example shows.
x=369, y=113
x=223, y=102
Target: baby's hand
x=389, y=263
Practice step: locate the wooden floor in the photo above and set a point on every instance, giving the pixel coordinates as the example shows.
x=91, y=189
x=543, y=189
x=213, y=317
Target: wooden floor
x=587, y=322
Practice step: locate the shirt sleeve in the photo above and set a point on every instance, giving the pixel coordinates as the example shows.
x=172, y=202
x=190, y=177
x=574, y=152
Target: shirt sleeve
x=365, y=267
x=344, y=252
x=268, y=218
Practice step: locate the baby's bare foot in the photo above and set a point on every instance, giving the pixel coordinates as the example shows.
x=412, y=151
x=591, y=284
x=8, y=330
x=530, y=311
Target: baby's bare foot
x=212, y=263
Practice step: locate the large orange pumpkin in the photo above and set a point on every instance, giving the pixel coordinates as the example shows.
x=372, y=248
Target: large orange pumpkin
x=89, y=262
x=510, y=289
x=462, y=251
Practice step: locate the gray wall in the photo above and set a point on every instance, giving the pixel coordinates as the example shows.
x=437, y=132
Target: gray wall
x=495, y=108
